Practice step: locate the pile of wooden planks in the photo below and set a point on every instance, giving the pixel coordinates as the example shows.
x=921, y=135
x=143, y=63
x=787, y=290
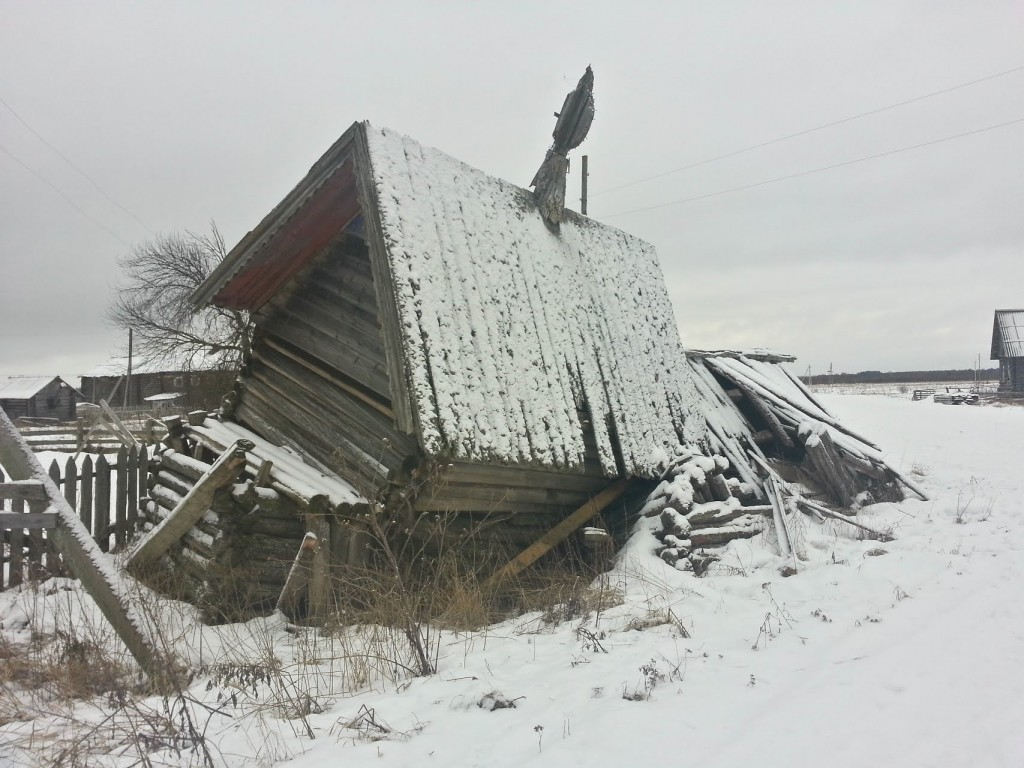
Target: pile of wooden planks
x=758, y=404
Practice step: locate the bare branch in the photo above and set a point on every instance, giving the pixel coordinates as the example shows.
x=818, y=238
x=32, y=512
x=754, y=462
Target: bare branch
x=157, y=278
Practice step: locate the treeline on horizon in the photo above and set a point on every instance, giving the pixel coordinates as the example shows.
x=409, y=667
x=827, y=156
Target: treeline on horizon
x=903, y=377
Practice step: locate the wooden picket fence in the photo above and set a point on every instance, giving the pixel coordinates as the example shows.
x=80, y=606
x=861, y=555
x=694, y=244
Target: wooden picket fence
x=105, y=494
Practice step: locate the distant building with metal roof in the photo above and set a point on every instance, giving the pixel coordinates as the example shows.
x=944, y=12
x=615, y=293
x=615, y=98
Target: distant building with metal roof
x=1008, y=348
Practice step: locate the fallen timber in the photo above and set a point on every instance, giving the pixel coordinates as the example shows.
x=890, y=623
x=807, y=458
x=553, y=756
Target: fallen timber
x=82, y=555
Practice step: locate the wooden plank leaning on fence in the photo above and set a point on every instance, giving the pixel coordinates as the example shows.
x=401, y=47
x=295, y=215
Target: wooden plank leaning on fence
x=82, y=556
x=191, y=507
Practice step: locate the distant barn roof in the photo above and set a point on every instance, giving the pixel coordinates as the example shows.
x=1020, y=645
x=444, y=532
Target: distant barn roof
x=498, y=326
x=23, y=387
x=1008, y=334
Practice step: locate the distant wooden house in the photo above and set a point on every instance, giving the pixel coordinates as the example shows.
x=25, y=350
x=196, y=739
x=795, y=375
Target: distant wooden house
x=48, y=397
x=1008, y=348
x=188, y=385
x=426, y=344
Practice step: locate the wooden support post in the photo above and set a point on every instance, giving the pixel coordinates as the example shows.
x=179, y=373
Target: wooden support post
x=320, y=567
x=298, y=577
x=192, y=507
x=560, y=532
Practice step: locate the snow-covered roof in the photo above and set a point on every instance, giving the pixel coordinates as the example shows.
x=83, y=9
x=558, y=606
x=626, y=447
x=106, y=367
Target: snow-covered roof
x=507, y=325
x=118, y=366
x=496, y=327
x=1008, y=333
x=22, y=387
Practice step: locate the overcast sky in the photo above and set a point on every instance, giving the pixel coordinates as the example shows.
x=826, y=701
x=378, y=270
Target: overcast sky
x=186, y=112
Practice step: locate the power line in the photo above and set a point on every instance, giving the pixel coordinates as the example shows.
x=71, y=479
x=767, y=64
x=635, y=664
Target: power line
x=814, y=170
x=67, y=199
x=807, y=131
x=65, y=158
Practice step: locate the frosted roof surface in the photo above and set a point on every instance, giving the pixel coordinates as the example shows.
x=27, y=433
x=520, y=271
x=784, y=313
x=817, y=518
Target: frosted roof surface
x=1011, y=332
x=22, y=387
x=507, y=326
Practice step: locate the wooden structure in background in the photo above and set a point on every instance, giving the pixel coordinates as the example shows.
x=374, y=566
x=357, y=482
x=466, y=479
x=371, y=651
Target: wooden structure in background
x=1008, y=349
x=43, y=397
x=199, y=383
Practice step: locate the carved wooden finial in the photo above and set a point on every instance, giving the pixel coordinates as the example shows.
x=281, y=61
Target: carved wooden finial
x=571, y=129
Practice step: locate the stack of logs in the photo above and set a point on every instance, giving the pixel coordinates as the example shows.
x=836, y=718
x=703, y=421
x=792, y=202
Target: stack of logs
x=700, y=507
x=238, y=553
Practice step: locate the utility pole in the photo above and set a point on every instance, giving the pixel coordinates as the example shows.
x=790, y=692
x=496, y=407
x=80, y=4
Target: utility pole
x=583, y=198
x=128, y=378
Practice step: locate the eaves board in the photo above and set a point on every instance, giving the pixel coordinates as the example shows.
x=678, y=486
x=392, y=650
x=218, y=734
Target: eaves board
x=290, y=236
x=384, y=285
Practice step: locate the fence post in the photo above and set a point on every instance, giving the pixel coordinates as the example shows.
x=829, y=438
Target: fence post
x=121, y=508
x=85, y=509
x=102, y=508
x=133, y=495
x=71, y=483
x=17, y=545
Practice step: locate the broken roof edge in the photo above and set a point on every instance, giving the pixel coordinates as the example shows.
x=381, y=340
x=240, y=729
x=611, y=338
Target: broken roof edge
x=254, y=240
x=762, y=355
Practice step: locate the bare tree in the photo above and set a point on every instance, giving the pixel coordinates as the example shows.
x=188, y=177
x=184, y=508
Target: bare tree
x=157, y=279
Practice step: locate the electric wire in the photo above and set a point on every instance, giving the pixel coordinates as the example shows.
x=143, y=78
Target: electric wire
x=66, y=199
x=67, y=160
x=806, y=131
x=814, y=170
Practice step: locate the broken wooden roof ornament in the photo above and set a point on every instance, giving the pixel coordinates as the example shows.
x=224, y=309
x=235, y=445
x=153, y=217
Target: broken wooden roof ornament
x=571, y=129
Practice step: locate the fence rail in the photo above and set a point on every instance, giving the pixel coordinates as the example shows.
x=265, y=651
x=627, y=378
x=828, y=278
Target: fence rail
x=105, y=494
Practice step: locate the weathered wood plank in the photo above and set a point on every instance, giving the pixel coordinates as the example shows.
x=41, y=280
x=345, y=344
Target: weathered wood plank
x=121, y=498
x=101, y=532
x=85, y=507
x=22, y=520
x=26, y=491
x=83, y=556
x=132, y=512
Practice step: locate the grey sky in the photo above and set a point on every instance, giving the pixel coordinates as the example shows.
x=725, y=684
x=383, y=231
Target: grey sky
x=188, y=112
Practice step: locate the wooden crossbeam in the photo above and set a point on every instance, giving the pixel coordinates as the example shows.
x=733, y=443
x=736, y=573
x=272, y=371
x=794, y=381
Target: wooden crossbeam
x=560, y=532
x=34, y=520
x=25, y=491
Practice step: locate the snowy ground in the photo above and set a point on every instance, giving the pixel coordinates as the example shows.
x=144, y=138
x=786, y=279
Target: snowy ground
x=906, y=653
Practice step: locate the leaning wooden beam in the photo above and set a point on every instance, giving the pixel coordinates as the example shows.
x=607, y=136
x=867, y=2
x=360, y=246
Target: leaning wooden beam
x=298, y=577
x=119, y=428
x=827, y=465
x=807, y=504
x=82, y=555
x=560, y=532
x=192, y=506
x=779, y=518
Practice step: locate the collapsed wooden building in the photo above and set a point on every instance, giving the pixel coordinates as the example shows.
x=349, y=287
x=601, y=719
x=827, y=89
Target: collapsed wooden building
x=429, y=345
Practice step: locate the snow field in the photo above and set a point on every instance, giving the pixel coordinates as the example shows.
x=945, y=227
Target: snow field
x=901, y=653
